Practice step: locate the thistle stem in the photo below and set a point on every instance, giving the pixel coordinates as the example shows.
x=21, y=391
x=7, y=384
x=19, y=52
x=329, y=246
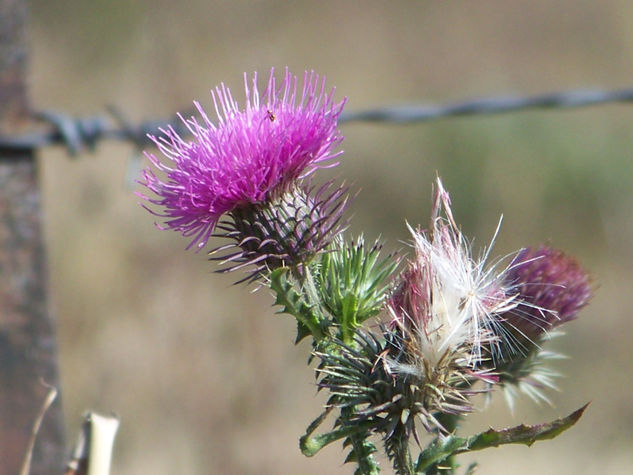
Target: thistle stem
x=362, y=449
x=400, y=454
x=450, y=422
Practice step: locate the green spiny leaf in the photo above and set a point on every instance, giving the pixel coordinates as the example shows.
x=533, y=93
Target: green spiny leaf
x=451, y=445
x=302, y=331
x=523, y=434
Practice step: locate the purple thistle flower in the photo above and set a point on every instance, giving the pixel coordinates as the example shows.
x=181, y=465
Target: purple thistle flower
x=551, y=288
x=251, y=156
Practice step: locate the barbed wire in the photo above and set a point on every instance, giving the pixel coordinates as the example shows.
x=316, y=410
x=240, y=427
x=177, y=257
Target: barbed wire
x=84, y=133
x=492, y=105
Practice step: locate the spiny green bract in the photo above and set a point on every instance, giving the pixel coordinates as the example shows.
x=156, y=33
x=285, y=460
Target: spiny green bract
x=352, y=282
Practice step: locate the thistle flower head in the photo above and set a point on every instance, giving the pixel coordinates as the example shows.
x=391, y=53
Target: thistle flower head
x=551, y=289
x=249, y=157
x=447, y=299
x=444, y=312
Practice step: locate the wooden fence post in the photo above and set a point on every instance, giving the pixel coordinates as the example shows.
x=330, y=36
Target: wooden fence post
x=28, y=349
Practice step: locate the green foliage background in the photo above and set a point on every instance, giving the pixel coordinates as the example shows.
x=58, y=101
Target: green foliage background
x=204, y=375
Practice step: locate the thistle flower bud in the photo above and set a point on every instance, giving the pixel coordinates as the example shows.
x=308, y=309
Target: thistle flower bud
x=551, y=288
x=353, y=281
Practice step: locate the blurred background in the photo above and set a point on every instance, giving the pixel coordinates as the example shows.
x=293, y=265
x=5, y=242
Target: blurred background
x=203, y=374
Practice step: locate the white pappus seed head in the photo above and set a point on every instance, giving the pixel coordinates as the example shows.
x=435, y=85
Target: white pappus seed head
x=449, y=299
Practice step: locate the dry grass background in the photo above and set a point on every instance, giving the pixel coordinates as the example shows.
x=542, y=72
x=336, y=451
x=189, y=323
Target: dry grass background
x=203, y=374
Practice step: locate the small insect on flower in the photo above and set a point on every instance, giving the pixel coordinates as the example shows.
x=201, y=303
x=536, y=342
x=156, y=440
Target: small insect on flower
x=271, y=116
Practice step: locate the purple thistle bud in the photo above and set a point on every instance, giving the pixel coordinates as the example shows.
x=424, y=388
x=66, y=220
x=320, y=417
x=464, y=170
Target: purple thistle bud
x=250, y=157
x=551, y=288
x=285, y=231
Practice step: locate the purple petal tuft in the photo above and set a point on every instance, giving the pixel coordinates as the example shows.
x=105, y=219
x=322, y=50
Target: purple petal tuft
x=552, y=289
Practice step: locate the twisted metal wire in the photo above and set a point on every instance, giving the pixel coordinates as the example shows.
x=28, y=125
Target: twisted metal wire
x=492, y=105
x=78, y=134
